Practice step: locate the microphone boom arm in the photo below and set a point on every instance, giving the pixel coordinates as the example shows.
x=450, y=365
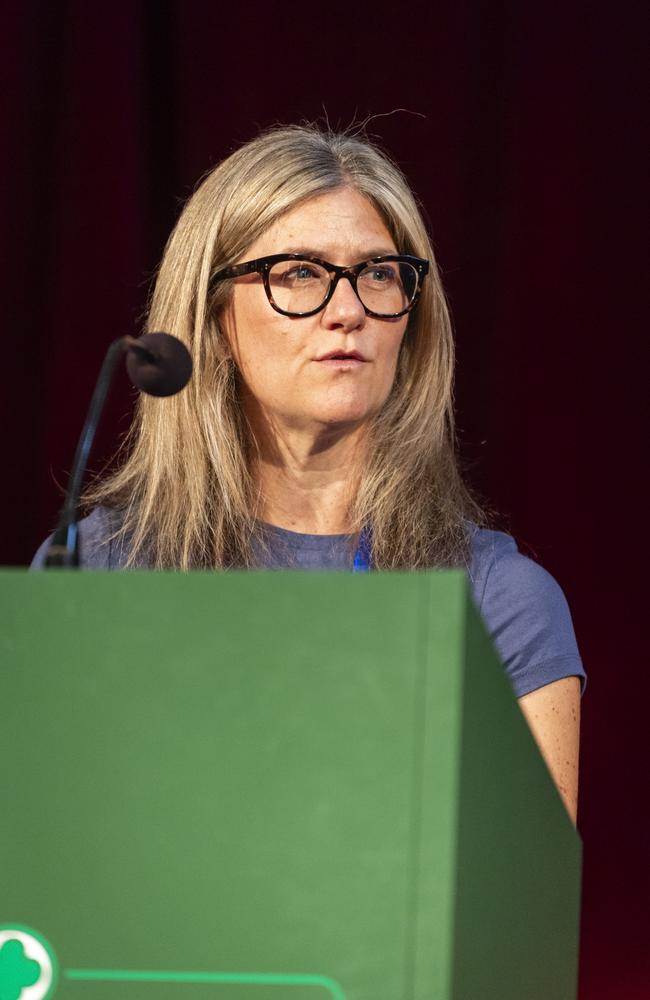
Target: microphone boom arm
x=64, y=547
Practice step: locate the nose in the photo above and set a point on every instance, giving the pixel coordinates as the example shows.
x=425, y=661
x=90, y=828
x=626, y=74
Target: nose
x=344, y=311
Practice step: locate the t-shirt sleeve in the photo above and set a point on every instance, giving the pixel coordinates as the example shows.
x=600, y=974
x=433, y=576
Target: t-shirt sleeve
x=96, y=550
x=526, y=614
x=38, y=562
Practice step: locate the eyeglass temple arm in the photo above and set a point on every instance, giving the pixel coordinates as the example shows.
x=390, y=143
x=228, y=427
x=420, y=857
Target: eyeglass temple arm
x=235, y=271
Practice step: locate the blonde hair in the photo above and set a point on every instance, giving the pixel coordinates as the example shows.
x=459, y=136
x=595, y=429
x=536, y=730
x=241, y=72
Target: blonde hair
x=186, y=493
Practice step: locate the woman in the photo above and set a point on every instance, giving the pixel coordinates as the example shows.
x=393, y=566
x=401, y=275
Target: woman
x=317, y=431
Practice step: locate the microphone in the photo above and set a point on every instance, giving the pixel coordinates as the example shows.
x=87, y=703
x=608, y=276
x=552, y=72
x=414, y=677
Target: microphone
x=159, y=365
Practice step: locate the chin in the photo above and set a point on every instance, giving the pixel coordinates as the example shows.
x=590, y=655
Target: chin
x=351, y=414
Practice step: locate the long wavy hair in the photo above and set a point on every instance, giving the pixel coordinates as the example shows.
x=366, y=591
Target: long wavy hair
x=186, y=492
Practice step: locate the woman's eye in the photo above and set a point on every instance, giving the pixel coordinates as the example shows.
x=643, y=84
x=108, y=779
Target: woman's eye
x=300, y=273
x=381, y=275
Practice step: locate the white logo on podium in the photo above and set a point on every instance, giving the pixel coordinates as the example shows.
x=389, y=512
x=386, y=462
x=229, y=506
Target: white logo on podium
x=27, y=966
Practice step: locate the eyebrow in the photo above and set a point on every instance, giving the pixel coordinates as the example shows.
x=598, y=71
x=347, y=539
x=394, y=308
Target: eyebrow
x=366, y=255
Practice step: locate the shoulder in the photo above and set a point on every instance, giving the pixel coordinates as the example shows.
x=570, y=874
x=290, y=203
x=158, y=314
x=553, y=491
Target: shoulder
x=100, y=544
x=525, y=612
x=497, y=562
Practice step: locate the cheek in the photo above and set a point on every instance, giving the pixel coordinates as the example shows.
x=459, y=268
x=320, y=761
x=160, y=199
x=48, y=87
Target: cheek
x=390, y=351
x=261, y=348
x=250, y=349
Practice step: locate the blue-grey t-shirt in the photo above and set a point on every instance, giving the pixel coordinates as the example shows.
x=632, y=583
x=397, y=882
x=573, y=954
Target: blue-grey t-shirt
x=523, y=607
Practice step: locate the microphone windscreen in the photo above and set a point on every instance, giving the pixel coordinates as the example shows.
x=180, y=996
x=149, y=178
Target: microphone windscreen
x=160, y=365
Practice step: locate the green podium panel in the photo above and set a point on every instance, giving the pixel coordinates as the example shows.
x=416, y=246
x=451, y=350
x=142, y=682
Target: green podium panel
x=259, y=786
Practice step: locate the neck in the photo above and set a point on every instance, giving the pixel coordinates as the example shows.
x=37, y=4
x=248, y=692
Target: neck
x=307, y=481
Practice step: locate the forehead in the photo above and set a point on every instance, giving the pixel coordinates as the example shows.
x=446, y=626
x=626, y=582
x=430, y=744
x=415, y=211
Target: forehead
x=339, y=224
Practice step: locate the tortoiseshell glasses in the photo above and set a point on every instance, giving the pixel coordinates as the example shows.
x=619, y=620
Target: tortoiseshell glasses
x=301, y=285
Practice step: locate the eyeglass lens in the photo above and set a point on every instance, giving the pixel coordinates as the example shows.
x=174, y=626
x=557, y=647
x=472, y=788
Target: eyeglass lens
x=385, y=288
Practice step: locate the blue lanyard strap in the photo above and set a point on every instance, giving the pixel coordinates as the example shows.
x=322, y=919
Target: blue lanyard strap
x=362, y=556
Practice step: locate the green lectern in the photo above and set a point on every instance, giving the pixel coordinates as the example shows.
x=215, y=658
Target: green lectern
x=272, y=786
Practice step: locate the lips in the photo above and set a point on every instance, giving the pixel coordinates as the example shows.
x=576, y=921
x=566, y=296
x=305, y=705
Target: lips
x=342, y=356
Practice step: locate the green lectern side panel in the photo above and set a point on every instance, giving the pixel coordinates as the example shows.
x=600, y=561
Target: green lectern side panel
x=519, y=856
x=440, y=722
x=229, y=785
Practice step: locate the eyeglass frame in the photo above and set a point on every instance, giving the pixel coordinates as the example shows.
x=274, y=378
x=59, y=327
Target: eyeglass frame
x=263, y=265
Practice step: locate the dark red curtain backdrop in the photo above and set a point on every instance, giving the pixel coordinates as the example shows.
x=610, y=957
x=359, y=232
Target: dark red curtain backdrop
x=520, y=137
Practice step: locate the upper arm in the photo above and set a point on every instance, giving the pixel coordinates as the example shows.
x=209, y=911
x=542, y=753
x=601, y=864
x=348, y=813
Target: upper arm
x=528, y=619
x=553, y=715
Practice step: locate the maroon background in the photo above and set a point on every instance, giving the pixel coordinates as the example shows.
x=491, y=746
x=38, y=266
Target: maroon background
x=522, y=143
